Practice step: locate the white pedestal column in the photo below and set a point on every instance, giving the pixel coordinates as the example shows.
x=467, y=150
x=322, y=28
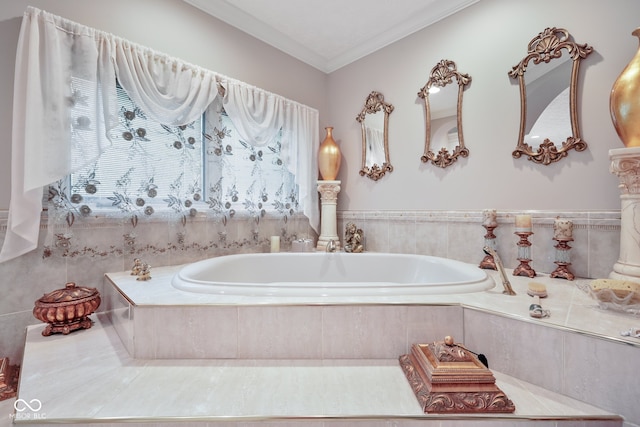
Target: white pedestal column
x=328, y=224
x=625, y=163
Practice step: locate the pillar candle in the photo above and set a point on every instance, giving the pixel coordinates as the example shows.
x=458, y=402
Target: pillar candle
x=275, y=243
x=562, y=229
x=489, y=218
x=523, y=223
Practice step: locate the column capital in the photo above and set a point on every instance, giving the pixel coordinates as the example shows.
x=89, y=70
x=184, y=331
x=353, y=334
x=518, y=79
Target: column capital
x=329, y=190
x=625, y=164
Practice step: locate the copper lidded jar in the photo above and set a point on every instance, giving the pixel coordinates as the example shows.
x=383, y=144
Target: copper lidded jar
x=67, y=309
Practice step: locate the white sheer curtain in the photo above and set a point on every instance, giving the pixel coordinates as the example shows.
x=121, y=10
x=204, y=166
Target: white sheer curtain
x=46, y=59
x=259, y=116
x=51, y=53
x=169, y=91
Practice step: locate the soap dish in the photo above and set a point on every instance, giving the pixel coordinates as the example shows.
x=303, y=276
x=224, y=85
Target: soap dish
x=617, y=295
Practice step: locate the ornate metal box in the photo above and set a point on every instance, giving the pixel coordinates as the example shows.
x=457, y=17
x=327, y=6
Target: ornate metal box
x=67, y=309
x=448, y=378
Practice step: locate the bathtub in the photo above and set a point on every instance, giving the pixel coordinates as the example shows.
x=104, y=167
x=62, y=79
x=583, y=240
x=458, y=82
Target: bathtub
x=324, y=274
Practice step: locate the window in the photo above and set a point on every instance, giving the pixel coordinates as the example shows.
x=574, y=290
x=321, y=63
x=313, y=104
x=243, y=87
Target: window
x=153, y=169
x=164, y=87
x=244, y=178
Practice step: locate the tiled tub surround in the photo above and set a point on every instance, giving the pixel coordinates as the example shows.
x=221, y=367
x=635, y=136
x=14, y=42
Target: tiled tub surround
x=101, y=245
x=460, y=235
x=577, y=352
x=108, y=244
x=294, y=362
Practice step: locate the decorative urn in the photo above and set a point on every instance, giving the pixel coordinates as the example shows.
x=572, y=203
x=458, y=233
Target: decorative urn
x=67, y=309
x=329, y=157
x=624, y=101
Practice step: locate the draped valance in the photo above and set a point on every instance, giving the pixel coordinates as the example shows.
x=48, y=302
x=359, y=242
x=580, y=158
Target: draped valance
x=53, y=51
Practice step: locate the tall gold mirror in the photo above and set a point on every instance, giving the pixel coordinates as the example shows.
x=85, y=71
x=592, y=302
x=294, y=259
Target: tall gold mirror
x=374, y=121
x=444, y=141
x=549, y=125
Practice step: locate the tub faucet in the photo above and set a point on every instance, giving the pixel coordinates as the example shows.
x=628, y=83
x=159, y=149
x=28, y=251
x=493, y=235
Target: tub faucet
x=508, y=290
x=331, y=246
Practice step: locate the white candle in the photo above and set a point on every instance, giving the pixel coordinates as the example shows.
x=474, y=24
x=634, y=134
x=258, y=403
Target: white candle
x=523, y=223
x=275, y=243
x=489, y=218
x=562, y=229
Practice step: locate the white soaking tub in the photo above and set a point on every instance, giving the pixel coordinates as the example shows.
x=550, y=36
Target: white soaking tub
x=324, y=274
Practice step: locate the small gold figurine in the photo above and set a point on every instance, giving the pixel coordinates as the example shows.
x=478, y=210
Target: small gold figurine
x=353, y=238
x=145, y=272
x=137, y=267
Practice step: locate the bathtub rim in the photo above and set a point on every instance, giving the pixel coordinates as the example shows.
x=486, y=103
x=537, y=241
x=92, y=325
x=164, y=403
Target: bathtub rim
x=182, y=282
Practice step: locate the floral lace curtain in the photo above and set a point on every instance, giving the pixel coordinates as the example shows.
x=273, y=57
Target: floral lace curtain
x=53, y=52
x=156, y=170
x=150, y=170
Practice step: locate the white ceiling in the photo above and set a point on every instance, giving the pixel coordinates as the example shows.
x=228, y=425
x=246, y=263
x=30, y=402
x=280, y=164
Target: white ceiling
x=329, y=34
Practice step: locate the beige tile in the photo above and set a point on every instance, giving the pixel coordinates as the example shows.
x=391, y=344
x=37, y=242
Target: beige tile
x=431, y=236
x=27, y=278
x=279, y=332
x=402, y=233
x=427, y=324
x=376, y=230
x=602, y=371
x=364, y=331
x=185, y=332
x=13, y=333
x=603, y=246
x=118, y=310
x=520, y=348
x=465, y=241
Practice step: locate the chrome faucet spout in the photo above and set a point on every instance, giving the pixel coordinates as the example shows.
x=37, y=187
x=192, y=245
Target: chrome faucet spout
x=331, y=246
x=508, y=290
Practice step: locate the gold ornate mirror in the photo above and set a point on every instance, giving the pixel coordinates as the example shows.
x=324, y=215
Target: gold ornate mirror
x=549, y=125
x=374, y=121
x=443, y=114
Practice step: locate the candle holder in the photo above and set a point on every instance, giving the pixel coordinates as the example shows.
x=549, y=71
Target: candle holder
x=489, y=240
x=563, y=259
x=524, y=255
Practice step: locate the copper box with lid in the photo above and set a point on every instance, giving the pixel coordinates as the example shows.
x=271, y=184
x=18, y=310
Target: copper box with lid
x=67, y=309
x=448, y=378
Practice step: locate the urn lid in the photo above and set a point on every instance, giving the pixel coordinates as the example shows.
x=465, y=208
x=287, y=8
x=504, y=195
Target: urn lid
x=69, y=294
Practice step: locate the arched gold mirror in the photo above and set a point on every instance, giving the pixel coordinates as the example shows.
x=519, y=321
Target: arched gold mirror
x=374, y=121
x=444, y=141
x=549, y=125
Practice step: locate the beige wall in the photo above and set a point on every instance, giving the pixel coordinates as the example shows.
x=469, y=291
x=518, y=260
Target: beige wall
x=486, y=40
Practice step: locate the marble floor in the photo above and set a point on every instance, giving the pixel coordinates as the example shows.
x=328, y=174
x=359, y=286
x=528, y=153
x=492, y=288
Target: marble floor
x=89, y=377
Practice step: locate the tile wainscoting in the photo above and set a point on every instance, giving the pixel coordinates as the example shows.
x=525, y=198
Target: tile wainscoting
x=102, y=245
x=93, y=246
x=460, y=235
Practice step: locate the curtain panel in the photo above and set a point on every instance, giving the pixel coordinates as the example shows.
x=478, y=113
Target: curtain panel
x=53, y=51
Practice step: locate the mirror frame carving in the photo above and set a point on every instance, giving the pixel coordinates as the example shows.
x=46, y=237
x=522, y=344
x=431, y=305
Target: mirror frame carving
x=546, y=46
x=374, y=103
x=441, y=75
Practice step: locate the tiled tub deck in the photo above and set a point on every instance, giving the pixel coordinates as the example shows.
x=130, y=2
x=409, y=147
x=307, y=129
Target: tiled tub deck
x=159, y=356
